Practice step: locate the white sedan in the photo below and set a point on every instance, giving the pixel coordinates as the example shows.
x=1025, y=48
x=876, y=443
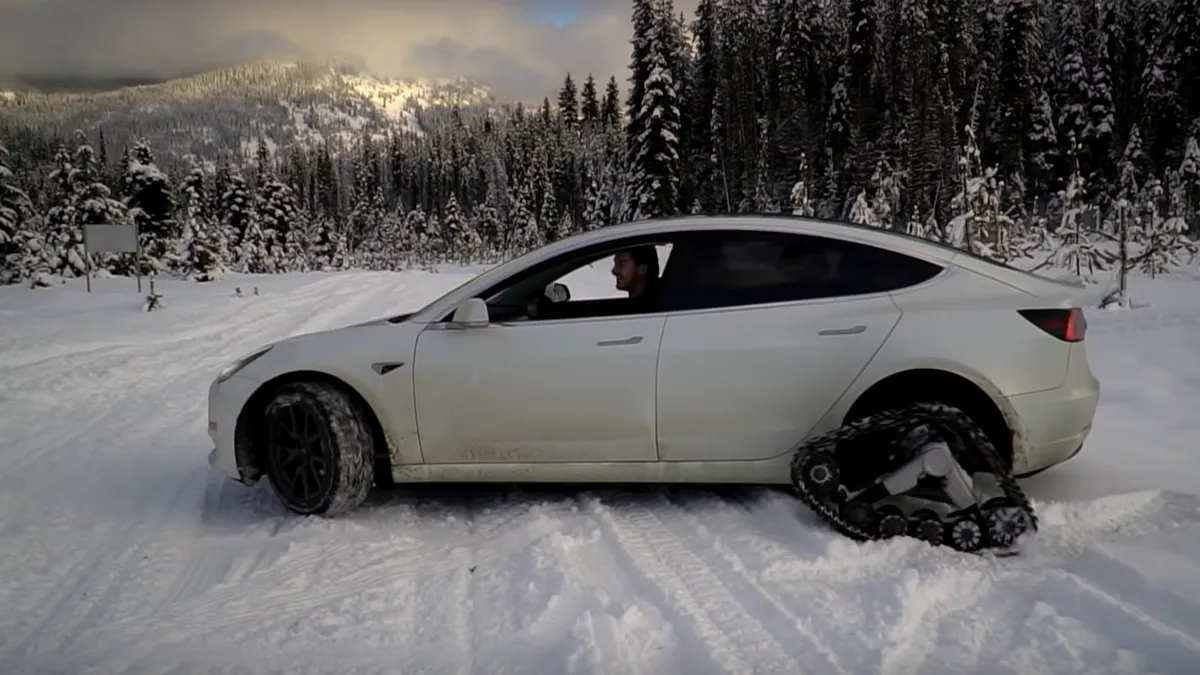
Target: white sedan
x=761, y=334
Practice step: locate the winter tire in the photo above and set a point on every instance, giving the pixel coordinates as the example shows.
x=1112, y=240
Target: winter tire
x=318, y=449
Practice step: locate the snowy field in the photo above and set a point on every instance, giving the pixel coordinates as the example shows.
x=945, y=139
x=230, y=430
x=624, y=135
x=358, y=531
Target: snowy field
x=124, y=553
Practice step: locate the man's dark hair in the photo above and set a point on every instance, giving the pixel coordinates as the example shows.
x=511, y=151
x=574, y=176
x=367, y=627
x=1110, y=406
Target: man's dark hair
x=645, y=255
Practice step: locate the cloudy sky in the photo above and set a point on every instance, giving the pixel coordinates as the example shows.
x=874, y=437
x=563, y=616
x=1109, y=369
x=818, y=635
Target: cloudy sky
x=521, y=47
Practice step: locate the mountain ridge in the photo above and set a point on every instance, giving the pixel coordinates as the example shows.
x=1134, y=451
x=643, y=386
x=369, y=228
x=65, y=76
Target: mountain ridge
x=285, y=101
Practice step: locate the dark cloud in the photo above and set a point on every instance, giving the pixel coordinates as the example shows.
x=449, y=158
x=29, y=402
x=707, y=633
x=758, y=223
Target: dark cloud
x=448, y=58
x=521, y=47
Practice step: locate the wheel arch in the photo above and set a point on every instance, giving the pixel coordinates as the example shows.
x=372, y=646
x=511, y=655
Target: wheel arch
x=248, y=441
x=936, y=385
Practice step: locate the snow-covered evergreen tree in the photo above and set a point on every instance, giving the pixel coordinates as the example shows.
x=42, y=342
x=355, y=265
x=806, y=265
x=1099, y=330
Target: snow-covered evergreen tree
x=15, y=224
x=654, y=162
x=235, y=206
x=276, y=216
x=1077, y=250
x=1157, y=251
x=861, y=211
x=81, y=199
x=1126, y=213
x=203, y=254
x=151, y=208
x=465, y=243
x=1189, y=178
x=422, y=236
x=886, y=195
x=801, y=197
x=525, y=232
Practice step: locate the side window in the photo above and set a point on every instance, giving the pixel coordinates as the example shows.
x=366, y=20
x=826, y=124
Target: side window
x=730, y=269
x=591, y=287
x=594, y=280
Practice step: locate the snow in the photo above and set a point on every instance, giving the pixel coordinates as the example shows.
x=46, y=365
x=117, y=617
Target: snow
x=125, y=553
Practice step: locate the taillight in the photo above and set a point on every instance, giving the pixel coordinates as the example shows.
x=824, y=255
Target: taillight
x=1068, y=325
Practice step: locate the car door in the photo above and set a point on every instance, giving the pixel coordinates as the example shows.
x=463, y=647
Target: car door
x=756, y=350
x=566, y=390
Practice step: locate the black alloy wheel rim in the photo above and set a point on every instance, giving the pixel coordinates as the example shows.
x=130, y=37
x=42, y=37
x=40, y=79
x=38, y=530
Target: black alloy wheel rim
x=301, y=455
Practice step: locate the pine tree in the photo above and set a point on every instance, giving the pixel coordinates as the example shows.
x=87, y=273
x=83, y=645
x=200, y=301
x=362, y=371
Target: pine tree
x=15, y=208
x=704, y=141
x=654, y=122
x=1189, y=178
x=203, y=254
x=1127, y=221
x=1019, y=84
x=1073, y=80
x=1077, y=250
x=252, y=254
x=1044, y=160
x=568, y=103
x=152, y=209
x=235, y=209
x=486, y=222
x=525, y=232
x=802, y=203
x=276, y=216
x=466, y=245
x=1098, y=132
x=610, y=113
x=590, y=105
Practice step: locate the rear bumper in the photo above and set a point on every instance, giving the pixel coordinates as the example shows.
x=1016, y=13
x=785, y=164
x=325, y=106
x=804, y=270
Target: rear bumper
x=225, y=403
x=1053, y=425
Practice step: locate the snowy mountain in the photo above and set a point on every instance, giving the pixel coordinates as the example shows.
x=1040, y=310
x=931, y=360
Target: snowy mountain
x=287, y=102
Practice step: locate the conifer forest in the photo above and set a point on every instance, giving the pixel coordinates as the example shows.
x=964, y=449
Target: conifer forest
x=1005, y=127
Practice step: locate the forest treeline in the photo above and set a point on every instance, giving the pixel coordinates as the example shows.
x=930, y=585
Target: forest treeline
x=994, y=125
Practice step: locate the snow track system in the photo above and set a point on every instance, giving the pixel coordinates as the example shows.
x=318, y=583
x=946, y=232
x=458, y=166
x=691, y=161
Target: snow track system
x=924, y=470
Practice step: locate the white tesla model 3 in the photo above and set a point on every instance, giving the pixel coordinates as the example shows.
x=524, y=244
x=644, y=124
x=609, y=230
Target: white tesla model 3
x=764, y=332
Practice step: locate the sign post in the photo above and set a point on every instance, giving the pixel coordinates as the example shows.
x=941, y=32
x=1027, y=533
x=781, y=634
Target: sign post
x=112, y=239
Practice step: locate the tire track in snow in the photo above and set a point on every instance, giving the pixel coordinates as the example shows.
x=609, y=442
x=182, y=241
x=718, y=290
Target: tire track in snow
x=1073, y=621
x=616, y=631
x=924, y=600
x=137, y=535
x=127, y=541
x=312, y=575
x=693, y=586
x=722, y=520
x=71, y=376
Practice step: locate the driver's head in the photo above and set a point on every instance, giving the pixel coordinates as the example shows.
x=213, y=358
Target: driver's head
x=635, y=269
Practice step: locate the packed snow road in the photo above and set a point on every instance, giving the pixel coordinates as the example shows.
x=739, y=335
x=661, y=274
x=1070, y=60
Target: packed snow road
x=124, y=553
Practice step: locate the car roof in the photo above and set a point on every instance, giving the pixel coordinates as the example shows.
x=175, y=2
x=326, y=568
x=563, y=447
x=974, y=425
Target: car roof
x=781, y=222
x=893, y=240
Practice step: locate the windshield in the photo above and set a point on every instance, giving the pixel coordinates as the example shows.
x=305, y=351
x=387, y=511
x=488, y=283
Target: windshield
x=494, y=269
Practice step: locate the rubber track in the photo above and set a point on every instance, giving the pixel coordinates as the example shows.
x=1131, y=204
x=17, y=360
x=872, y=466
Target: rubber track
x=893, y=423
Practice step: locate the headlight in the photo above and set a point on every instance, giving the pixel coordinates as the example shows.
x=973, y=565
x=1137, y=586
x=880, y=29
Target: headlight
x=233, y=368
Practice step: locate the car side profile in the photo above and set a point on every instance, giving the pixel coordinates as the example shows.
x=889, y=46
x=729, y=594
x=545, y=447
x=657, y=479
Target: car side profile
x=765, y=331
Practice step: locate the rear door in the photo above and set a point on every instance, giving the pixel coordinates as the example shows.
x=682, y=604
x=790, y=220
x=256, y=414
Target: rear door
x=764, y=332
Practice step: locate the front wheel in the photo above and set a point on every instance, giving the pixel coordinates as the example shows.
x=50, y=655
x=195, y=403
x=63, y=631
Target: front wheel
x=318, y=449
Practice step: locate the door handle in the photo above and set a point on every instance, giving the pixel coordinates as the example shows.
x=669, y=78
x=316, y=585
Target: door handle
x=620, y=343
x=853, y=330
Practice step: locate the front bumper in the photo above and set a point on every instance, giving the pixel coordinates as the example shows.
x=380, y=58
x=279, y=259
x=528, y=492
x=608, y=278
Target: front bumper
x=225, y=402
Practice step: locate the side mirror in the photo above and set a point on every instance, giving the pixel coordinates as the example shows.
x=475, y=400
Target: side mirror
x=472, y=313
x=558, y=292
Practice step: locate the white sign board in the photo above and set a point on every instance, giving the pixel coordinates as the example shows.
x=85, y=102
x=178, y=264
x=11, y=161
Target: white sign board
x=110, y=238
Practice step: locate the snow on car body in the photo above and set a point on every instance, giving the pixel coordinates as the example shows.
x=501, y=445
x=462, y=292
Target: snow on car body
x=751, y=353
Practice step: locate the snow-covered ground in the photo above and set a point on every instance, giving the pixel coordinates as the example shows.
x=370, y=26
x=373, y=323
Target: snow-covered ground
x=121, y=552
